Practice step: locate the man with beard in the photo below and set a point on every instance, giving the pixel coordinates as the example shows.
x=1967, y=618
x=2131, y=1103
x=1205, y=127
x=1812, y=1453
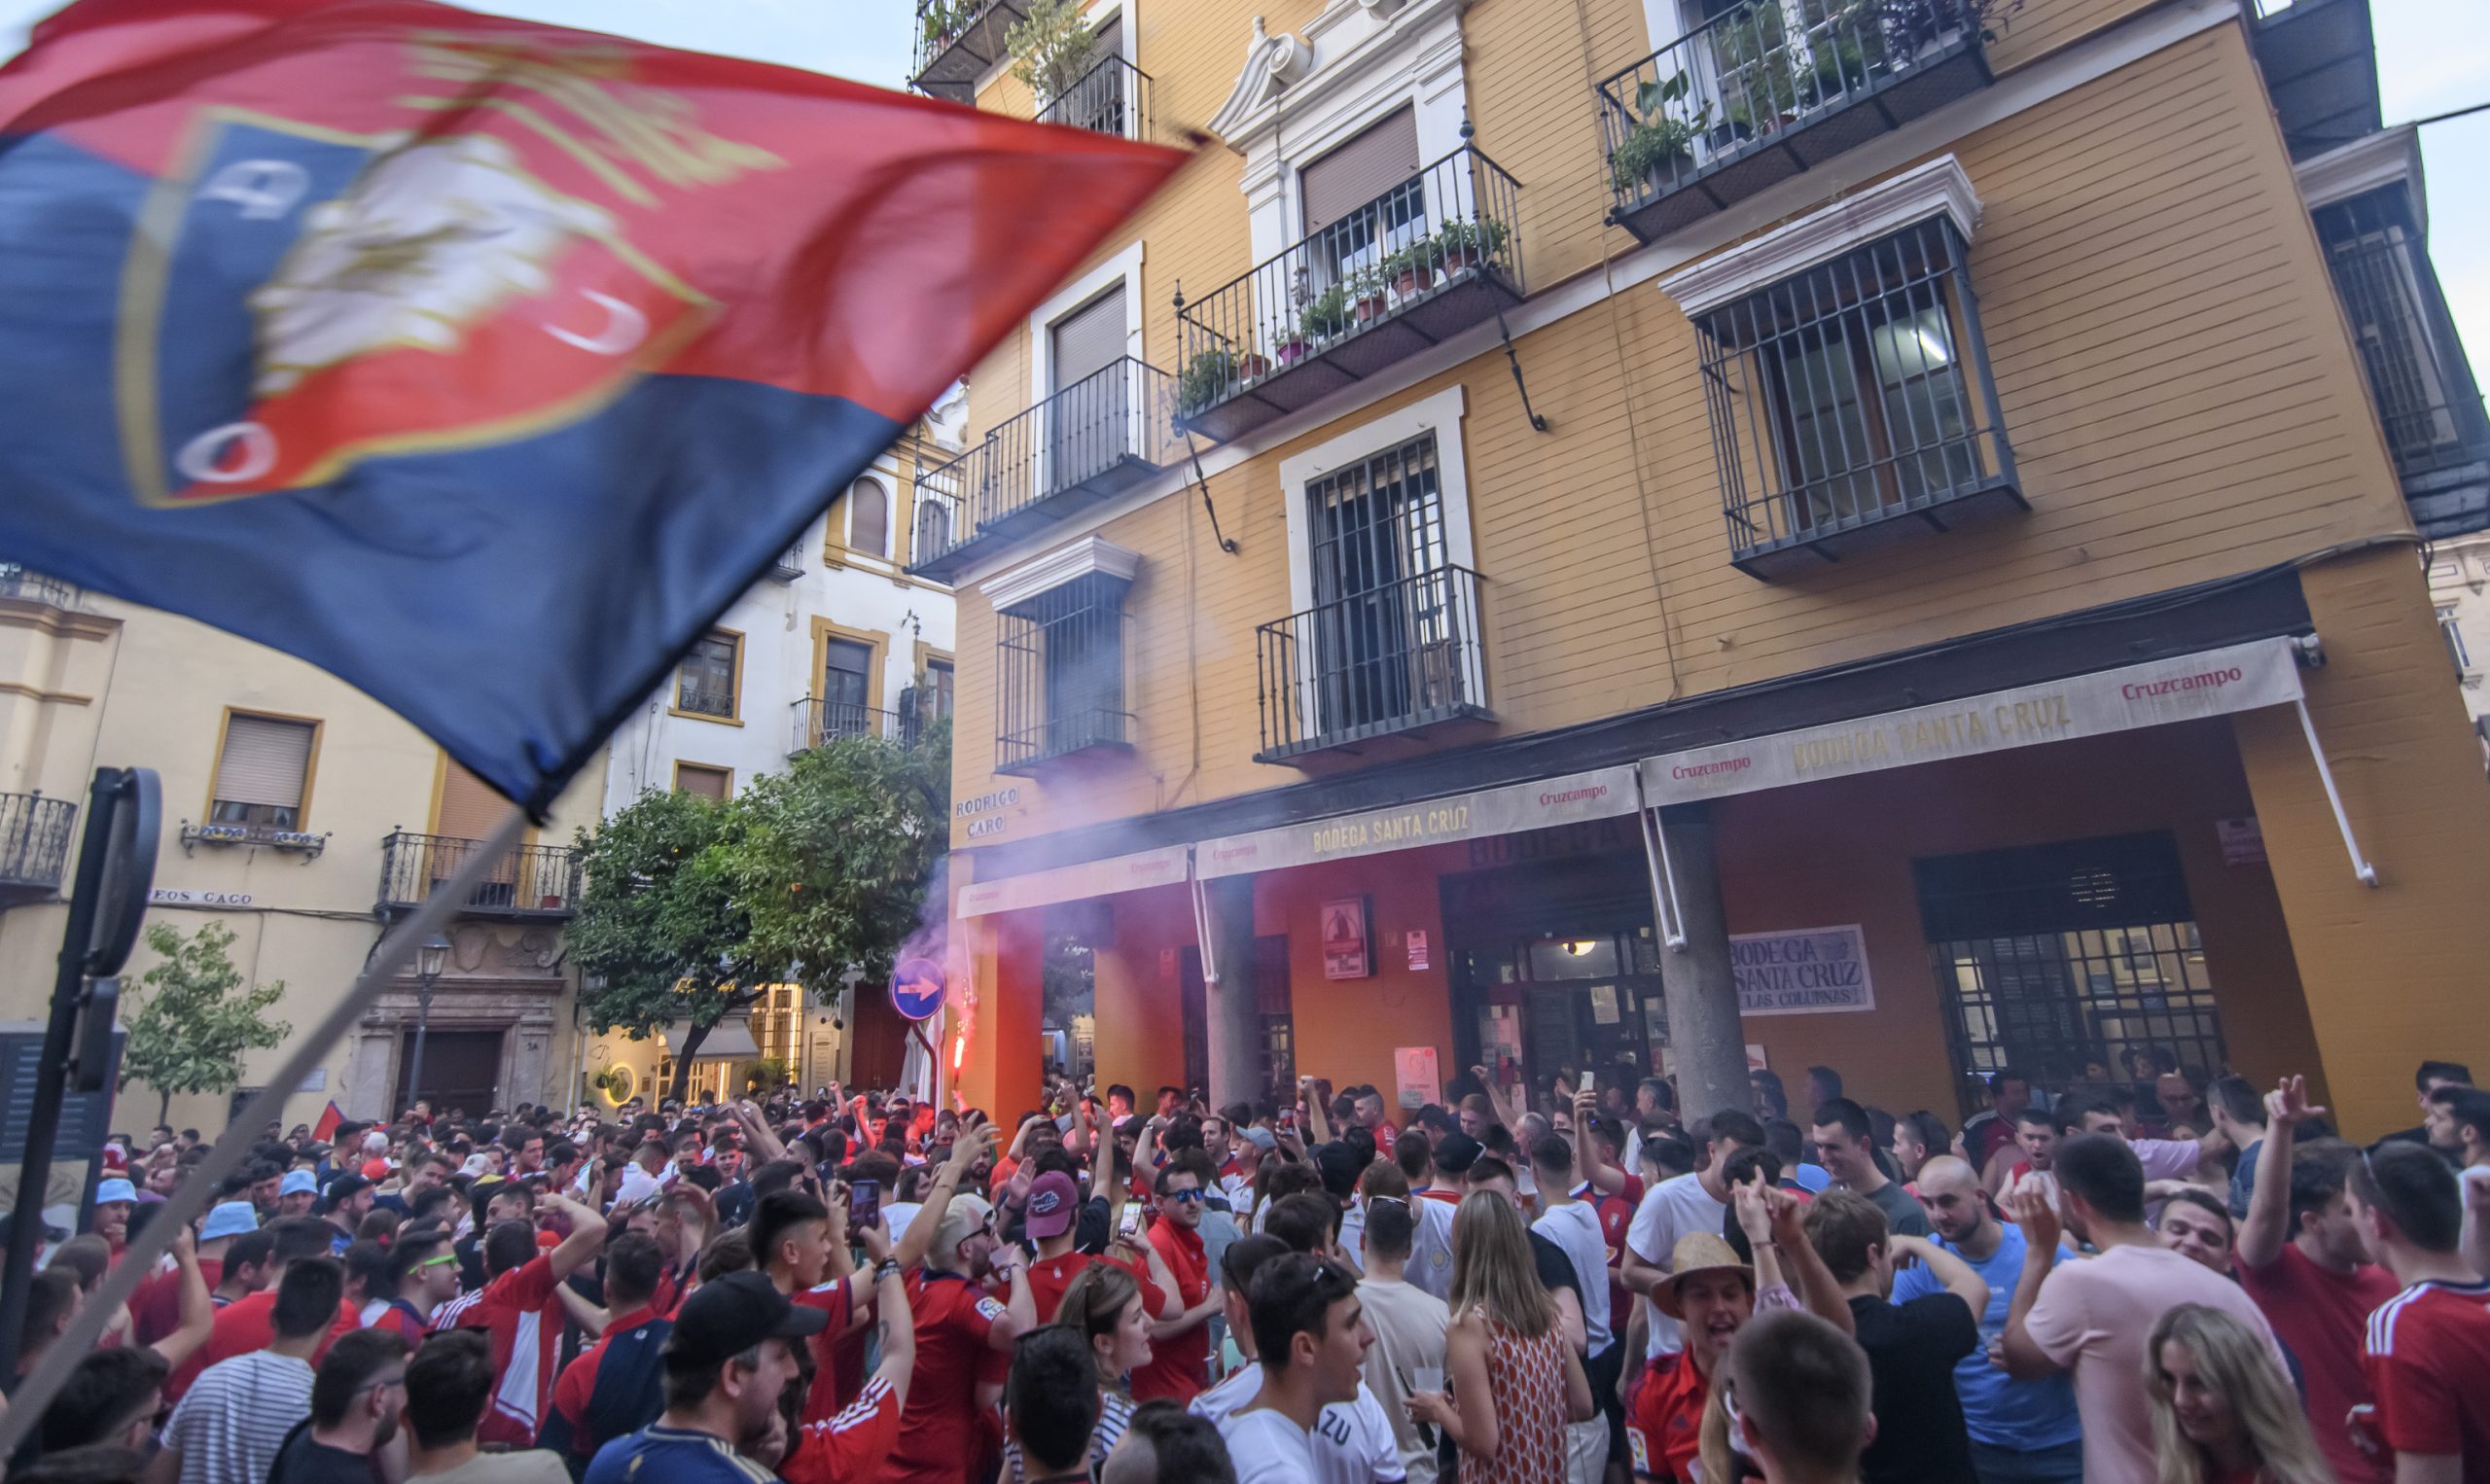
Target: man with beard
x=2023, y=1430
x=1180, y=1356
x=730, y=1358
x=355, y=1399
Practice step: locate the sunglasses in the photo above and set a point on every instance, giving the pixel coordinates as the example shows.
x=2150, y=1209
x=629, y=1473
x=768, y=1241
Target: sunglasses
x=446, y=1260
x=1188, y=1197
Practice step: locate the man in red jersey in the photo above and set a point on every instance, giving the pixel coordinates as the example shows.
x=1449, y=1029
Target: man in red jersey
x=618, y=1385
x=247, y=1325
x=518, y=1309
x=2427, y=1347
x=2299, y=1255
x=1179, y=1357
x=963, y=1335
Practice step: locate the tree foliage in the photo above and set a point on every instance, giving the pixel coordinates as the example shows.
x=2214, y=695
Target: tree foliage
x=1052, y=47
x=190, y=1027
x=692, y=907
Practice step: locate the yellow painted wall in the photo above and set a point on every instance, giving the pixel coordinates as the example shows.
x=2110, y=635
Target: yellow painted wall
x=2174, y=374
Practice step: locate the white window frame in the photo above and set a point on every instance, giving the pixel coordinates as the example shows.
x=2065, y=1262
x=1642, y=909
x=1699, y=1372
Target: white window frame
x=1443, y=414
x=1126, y=265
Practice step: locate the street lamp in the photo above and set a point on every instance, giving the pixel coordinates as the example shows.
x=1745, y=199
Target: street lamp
x=432, y=956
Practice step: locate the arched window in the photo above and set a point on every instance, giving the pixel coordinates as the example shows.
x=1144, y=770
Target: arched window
x=933, y=529
x=869, y=518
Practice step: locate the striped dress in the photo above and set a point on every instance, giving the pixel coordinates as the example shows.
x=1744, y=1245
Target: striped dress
x=1526, y=1380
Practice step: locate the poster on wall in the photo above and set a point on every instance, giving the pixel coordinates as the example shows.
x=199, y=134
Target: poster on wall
x=1416, y=943
x=1347, y=952
x=1414, y=1068
x=1801, y=971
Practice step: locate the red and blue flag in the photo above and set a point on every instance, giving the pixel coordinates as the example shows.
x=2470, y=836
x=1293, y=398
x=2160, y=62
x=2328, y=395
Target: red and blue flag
x=477, y=361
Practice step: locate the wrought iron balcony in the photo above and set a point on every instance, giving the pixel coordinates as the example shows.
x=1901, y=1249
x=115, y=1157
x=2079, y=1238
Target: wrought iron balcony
x=16, y=581
x=1426, y=260
x=1759, y=94
x=819, y=722
x=531, y=881
x=790, y=564
x=1392, y=660
x=1112, y=98
x=1088, y=443
x=34, y=845
x=957, y=41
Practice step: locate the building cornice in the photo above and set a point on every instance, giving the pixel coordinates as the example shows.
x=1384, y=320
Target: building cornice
x=2386, y=158
x=1346, y=45
x=1044, y=574
x=1939, y=187
x=20, y=613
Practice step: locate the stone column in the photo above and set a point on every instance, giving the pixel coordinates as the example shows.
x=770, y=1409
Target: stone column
x=1230, y=1007
x=1706, y=1044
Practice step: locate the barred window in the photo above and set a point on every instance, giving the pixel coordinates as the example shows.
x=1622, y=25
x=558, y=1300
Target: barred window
x=704, y=684
x=2426, y=401
x=1061, y=672
x=1850, y=394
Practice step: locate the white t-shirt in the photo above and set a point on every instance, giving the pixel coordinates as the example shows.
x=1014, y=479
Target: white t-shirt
x=1352, y=1441
x=1353, y=1235
x=1670, y=1209
x=1267, y=1448
x=1575, y=1229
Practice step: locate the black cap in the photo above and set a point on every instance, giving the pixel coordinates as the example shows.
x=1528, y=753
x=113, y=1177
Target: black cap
x=730, y=1315
x=1455, y=1153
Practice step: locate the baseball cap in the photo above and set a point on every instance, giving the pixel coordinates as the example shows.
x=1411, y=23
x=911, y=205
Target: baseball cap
x=345, y=1186
x=114, y=1160
x=1258, y=1137
x=230, y=1218
x=966, y=1217
x=1455, y=1153
x=115, y=1189
x=298, y=1183
x=730, y=1315
x=1053, y=1203
x=375, y=1169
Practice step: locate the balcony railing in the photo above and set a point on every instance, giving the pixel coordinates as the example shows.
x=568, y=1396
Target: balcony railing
x=1762, y=92
x=16, y=581
x=34, y=844
x=819, y=722
x=1088, y=443
x=790, y=564
x=530, y=881
x=1426, y=260
x=957, y=41
x=1111, y=98
x=1394, y=659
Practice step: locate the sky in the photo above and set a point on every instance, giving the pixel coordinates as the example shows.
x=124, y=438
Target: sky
x=2433, y=55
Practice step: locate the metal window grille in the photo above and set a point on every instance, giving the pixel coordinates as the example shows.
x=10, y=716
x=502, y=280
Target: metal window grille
x=706, y=682
x=2426, y=398
x=1111, y=98
x=1853, y=392
x=2053, y=957
x=1060, y=672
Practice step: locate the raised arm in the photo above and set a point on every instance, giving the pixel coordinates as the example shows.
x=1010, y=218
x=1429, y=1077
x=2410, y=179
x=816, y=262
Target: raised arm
x=2036, y=1211
x=1318, y=1118
x=1951, y=1272
x=757, y=1132
x=1077, y=1140
x=2269, y=1205
x=976, y=1141
x=585, y=1239
x=1605, y=1178
x=1814, y=1281
x=197, y=1309
x=898, y=1330
x=1507, y=1113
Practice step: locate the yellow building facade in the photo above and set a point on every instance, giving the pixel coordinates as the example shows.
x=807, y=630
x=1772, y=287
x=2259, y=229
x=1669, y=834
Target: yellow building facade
x=1642, y=535
x=303, y=817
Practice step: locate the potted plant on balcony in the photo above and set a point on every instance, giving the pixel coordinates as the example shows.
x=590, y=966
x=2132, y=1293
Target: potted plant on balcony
x=1365, y=291
x=1052, y=49
x=1758, y=67
x=1464, y=245
x=1911, y=30
x=1413, y=269
x=1205, y=378
x=1325, y=317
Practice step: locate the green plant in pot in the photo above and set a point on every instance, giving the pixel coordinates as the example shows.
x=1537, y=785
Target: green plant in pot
x=1757, y=66
x=1365, y=293
x=1325, y=315
x=1413, y=269
x=1464, y=245
x=1052, y=47
x=1204, y=380
x=1663, y=133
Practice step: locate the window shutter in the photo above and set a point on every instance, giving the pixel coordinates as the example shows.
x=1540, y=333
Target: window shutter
x=1091, y=339
x=704, y=782
x=470, y=809
x=1360, y=170
x=869, y=518
x=263, y=762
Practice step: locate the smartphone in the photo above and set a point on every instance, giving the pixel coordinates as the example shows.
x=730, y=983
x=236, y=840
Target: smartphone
x=1590, y=1080
x=1130, y=1226
x=863, y=1203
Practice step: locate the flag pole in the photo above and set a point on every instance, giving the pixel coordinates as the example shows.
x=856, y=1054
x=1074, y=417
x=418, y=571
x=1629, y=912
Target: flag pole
x=226, y=1155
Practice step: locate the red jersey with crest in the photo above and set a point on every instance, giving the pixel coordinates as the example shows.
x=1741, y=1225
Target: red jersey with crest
x=2426, y=1352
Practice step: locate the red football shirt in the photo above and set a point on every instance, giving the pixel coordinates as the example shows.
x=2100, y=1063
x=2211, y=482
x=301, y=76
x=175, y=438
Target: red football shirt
x=244, y=1325
x=1179, y=1366
x=850, y=1445
x=524, y=1320
x=156, y=1309
x=1664, y=1430
x=1050, y=1277
x=2321, y=1316
x=576, y=1384
x=829, y=1351
x=941, y=1434
x=2422, y=1343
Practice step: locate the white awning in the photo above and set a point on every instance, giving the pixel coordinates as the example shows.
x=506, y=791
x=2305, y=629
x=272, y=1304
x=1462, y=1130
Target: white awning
x=2189, y=687
x=729, y=1039
x=1164, y=866
x=1602, y=793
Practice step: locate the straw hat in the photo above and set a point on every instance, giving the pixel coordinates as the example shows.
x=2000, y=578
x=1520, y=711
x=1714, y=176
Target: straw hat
x=1698, y=1252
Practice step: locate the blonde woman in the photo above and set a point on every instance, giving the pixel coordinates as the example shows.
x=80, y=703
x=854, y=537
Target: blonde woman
x=2223, y=1411
x=1103, y=1305
x=1515, y=1380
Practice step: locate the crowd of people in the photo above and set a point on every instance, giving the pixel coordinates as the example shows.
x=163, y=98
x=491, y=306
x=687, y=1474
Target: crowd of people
x=2183, y=1279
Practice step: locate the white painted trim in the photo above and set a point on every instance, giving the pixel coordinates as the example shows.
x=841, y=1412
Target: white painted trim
x=2086, y=62
x=1939, y=186
x=1125, y=265
x=2383, y=159
x=1443, y=413
x=1064, y=564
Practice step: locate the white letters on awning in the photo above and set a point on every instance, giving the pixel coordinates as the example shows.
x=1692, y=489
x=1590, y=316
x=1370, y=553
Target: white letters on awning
x=1599, y=795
